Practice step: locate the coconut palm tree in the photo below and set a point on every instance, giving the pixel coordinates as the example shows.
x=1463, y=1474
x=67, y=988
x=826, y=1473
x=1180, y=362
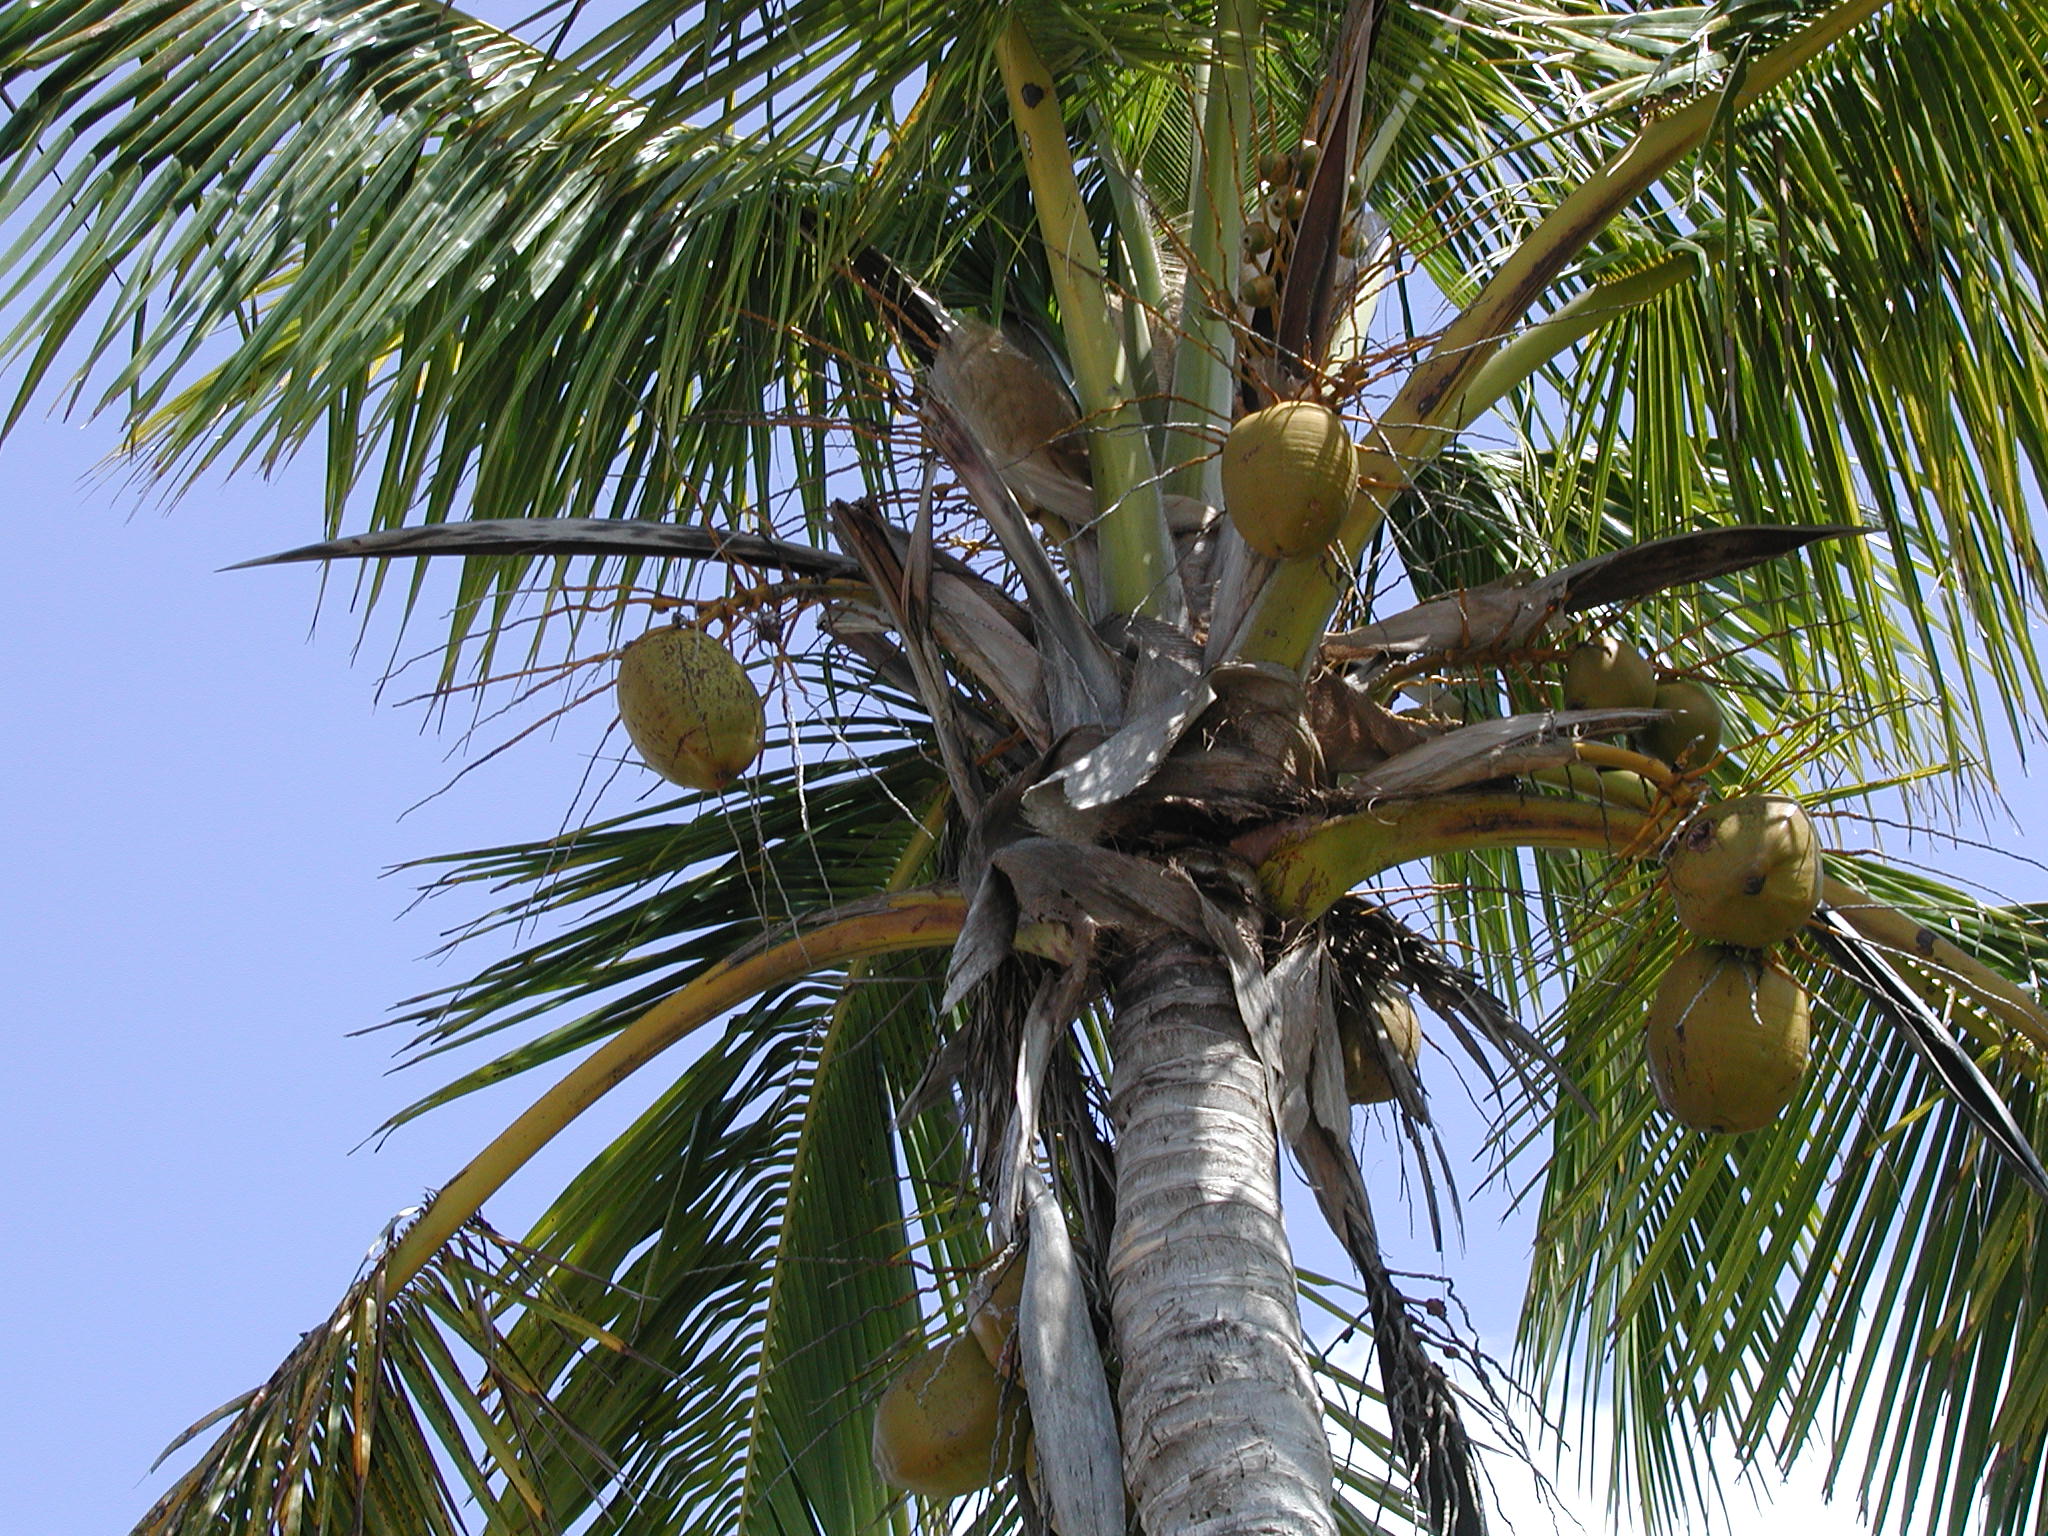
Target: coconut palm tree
x=970, y=372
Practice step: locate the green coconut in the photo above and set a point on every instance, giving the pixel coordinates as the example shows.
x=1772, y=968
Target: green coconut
x=1288, y=476
x=1388, y=1020
x=1691, y=734
x=1745, y=871
x=1727, y=1039
x=1608, y=673
x=1625, y=788
x=689, y=707
x=948, y=1425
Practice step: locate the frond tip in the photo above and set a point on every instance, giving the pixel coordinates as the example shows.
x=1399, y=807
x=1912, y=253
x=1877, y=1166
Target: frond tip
x=363, y=1424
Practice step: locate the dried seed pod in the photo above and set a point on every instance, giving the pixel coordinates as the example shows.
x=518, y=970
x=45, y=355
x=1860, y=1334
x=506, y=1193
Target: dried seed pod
x=689, y=707
x=1726, y=1039
x=1388, y=1020
x=1288, y=476
x=1745, y=871
x=947, y=1425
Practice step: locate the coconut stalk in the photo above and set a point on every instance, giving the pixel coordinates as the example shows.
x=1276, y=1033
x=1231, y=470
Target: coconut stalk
x=1138, y=571
x=1205, y=365
x=1305, y=867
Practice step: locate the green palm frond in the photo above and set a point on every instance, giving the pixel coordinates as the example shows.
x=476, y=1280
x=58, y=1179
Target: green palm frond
x=726, y=1285
x=1863, y=263
x=1854, y=1270
x=395, y=1413
x=746, y=1243
x=612, y=277
x=260, y=229
x=657, y=897
x=1824, y=655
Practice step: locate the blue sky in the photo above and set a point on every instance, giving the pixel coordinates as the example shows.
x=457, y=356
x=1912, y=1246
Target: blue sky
x=201, y=798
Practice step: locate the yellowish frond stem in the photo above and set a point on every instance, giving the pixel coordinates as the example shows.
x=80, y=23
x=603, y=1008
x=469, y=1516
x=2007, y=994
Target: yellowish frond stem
x=1305, y=867
x=925, y=919
x=1936, y=968
x=1601, y=754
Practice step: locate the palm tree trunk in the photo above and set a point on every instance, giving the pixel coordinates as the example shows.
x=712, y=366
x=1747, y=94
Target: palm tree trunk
x=1222, y=1423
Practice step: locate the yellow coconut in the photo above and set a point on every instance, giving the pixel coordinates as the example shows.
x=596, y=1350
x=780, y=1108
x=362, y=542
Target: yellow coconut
x=1745, y=871
x=1288, y=475
x=1692, y=734
x=997, y=1294
x=690, y=708
x=1388, y=1020
x=1608, y=673
x=947, y=1424
x=1727, y=1039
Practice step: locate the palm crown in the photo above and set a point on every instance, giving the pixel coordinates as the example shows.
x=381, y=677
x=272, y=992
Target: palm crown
x=1051, y=913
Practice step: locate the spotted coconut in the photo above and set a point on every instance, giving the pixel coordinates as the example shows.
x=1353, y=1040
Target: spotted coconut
x=1745, y=871
x=1288, y=475
x=1726, y=1039
x=689, y=707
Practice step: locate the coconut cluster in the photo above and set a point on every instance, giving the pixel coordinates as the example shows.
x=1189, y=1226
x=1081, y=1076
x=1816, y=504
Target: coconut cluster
x=1609, y=673
x=955, y=1418
x=1728, y=1029
x=1284, y=178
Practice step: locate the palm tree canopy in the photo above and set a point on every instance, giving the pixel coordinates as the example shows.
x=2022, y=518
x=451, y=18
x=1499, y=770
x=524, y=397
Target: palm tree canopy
x=1715, y=325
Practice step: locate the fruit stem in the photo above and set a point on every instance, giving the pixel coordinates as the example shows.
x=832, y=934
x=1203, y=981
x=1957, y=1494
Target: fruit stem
x=1602, y=754
x=1893, y=931
x=1306, y=866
